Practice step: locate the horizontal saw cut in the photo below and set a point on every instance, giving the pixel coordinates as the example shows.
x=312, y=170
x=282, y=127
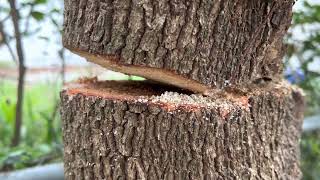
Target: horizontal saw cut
x=192, y=44
x=141, y=130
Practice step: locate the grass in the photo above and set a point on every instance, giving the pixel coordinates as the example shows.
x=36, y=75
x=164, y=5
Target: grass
x=310, y=155
x=6, y=64
x=41, y=132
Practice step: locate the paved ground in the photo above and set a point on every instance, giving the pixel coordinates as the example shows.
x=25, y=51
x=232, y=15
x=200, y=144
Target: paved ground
x=47, y=172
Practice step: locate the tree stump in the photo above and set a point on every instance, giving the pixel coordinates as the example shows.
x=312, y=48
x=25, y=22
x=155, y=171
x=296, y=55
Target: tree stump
x=248, y=128
x=195, y=45
x=142, y=130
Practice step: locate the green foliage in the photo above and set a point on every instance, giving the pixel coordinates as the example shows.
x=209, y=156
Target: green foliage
x=310, y=15
x=31, y=11
x=41, y=132
x=310, y=156
x=307, y=51
x=25, y=156
x=6, y=64
x=37, y=15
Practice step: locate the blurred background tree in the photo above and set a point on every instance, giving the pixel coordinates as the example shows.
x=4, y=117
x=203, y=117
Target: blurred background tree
x=30, y=130
x=35, y=138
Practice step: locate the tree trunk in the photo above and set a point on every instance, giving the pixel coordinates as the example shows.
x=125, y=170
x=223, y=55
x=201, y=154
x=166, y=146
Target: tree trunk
x=208, y=43
x=140, y=130
x=15, y=16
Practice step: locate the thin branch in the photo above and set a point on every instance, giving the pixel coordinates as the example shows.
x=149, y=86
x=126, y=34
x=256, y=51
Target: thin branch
x=20, y=92
x=26, y=30
x=61, y=53
x=5, y=41
x=5, y=19
x=8, y=16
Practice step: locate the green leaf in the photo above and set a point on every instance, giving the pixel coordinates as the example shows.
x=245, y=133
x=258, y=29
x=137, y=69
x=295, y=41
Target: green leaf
x=37, y=15
x=55, y=10
x=40, y=1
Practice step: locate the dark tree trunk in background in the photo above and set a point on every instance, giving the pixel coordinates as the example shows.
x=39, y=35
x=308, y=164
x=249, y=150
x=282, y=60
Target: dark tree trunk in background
x=137, y=130
x=211, y=43
x=20, y=90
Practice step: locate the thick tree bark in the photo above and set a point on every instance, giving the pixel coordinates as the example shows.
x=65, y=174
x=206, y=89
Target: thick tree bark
x=211, y=43
x=139, y=130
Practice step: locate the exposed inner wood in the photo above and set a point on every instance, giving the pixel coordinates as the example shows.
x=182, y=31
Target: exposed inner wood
x=160, y=75
x=129, y=90
x=166, y=96
x=170, y=96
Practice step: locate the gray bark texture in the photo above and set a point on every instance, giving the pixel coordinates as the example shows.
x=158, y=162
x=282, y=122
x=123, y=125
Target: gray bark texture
x=214, y=42
x=139, y=130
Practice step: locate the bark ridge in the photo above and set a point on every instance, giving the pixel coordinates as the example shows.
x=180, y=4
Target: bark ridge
x=112, y=134
x=214, y=42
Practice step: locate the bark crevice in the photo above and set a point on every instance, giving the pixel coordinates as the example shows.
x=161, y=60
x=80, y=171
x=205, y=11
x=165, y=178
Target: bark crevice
x=137, y=130
x=214, y=43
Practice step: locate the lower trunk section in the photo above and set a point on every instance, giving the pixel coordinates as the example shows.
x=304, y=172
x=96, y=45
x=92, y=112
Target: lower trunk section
x=139, y=130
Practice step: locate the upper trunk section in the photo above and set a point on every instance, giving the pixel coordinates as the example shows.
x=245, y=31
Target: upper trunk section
x=212, y=43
